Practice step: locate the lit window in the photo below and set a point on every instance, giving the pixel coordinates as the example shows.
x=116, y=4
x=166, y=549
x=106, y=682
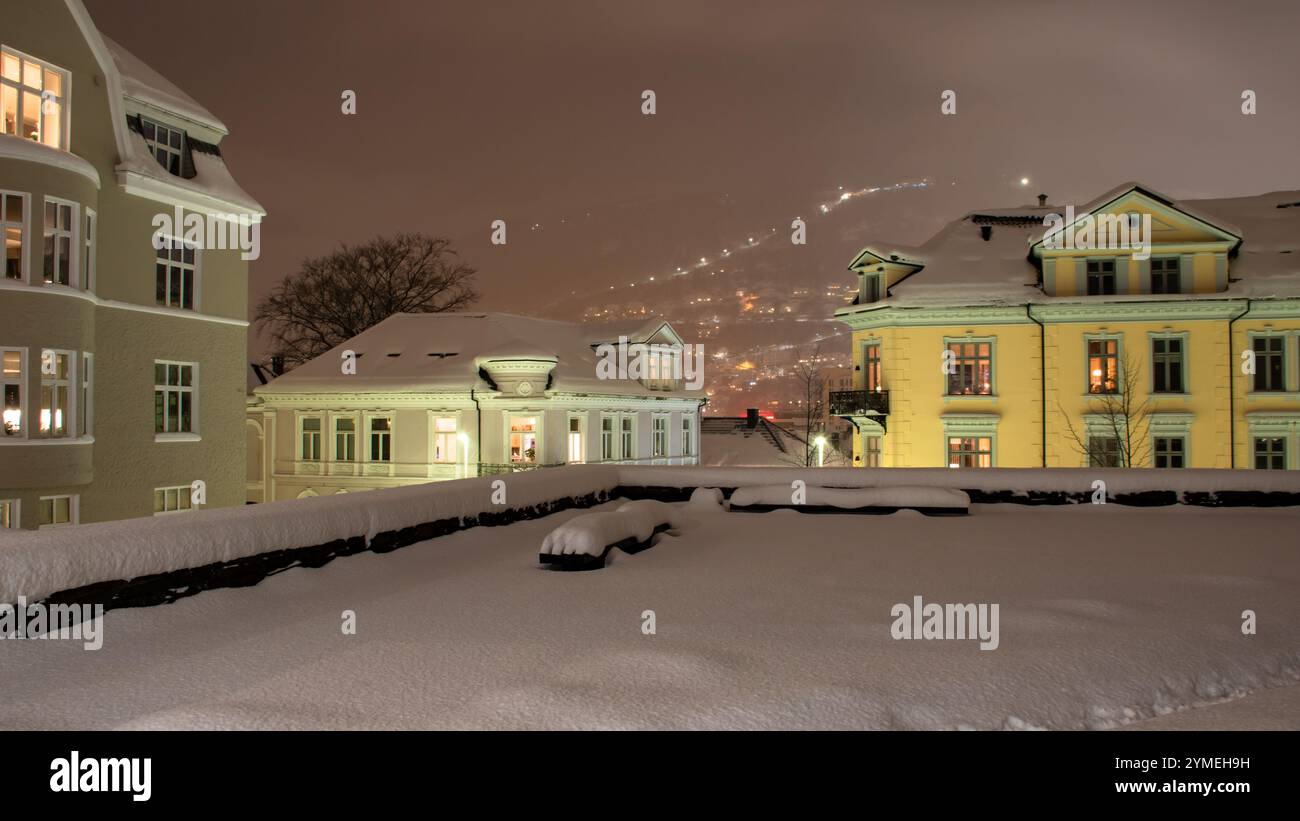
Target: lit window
x=59, y=220
x=13, y=225
x=165, y=143
x=174, y=273
x=523, y=439
x=1103, y=366
x=970, y=452
x=575, y=439
x=173, y=397
x=56, y=381
x=171, y=500
x=444, y=439
x=8, y=514
x=971, y=369
x=58, y=510
x=33, y=99
x=11, y=383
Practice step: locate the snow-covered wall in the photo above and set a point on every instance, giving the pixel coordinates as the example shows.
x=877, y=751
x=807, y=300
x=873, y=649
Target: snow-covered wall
x=137, y=561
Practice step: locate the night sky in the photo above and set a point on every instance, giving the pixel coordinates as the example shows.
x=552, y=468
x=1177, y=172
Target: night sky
x=530, y=112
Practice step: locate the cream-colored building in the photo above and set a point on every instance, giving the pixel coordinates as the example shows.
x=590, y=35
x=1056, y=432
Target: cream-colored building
x=427, y=397
x=121, y=363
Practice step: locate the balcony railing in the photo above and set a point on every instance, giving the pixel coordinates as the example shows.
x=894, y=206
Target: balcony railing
x=859, y=403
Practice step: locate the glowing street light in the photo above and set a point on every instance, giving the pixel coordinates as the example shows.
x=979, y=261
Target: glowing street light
x=820, y=442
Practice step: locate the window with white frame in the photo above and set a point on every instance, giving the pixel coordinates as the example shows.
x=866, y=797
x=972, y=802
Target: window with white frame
x=1270, y=362
x=1270, y=453
x=971, y=364
x=9, y=514
x=58, y=510
x=381, y=439
x=871, y=451
x=11, y=386
x=1167, y=364
x=85, y=411
x=33, y=99
x=56, y=393
x=659, y=435
x=606, y=438
x=575, y=439
x=627, y=445
x=167, y=144
x=13, y=225
x=174, y=396
x=310, y=436
x=1169, y=451
x=1103, y=365
x=523, y=439
x=970, y=451
x=172, y=499
x=345, y=439
x=60, y=219
x=444, y=439
x=88, y=260
x=688, y=435
x=175, y=273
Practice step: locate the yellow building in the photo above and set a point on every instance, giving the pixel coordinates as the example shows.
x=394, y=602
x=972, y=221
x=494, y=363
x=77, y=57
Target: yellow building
x=1135, y=330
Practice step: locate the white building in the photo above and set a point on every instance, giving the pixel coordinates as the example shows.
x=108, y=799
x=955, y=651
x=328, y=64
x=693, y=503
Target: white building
x=442, y=396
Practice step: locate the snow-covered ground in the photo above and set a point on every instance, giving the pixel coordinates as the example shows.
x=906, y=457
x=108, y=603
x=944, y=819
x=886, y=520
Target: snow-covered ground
x=1108, y=615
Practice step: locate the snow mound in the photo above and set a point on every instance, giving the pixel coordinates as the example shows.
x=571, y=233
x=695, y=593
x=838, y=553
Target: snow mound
x=706, y=500
x=591, y=534
x=902, y=496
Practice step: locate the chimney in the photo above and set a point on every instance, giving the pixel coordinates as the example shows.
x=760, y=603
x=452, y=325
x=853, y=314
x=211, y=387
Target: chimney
x=986, y=232
x=751, y=417
x=1042, y=200
x=277, y=365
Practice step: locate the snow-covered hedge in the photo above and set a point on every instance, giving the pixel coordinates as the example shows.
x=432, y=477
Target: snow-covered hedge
x=888, y=498
x=39, y=563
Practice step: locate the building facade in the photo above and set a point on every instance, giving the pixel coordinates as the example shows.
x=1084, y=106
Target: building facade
x=428, y=397
x=122, y=349
x=1012, y=339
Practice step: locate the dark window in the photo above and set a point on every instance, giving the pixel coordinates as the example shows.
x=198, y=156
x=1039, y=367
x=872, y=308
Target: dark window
x=1270, y=453
x=1103, y=452
x=1101, y=277
x=1167, y=365
x=1169, y=451
x=872, y=451
x=1166, y=276
x=870, y=288
x=1269, y=363
x=166, y=144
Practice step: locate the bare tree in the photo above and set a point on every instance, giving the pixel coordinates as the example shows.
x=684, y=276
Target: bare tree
x=333, y=298
x=1123, y=415
x=809, y=386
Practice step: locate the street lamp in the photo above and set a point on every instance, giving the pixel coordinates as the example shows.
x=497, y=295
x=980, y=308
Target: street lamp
x=820, y=442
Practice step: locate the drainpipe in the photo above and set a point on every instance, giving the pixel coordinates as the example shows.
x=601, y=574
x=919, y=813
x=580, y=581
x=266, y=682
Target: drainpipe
x=1232, y=393
x=478, y=430
x=1042, y=372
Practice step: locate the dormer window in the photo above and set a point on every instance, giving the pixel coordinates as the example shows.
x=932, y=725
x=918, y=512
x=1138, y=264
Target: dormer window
x=871, y=290
x=167, y=144
x=33, y=99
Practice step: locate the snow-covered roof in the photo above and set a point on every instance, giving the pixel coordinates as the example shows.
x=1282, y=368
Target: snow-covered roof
x=212, y=185
x=960, y=267
x=418, y=352
x=145, y=85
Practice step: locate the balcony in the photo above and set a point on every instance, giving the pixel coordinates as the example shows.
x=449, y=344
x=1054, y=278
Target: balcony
x=859, y=403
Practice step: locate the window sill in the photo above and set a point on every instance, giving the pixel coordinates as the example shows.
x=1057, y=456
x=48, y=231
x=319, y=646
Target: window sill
x=1273, y=395
x=957, y=397
x=15, y=441
x=177, y=437
x=1158, y=395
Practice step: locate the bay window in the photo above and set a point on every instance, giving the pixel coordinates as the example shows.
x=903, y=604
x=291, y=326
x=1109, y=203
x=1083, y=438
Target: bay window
x=33, y=99
x=56, y=382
